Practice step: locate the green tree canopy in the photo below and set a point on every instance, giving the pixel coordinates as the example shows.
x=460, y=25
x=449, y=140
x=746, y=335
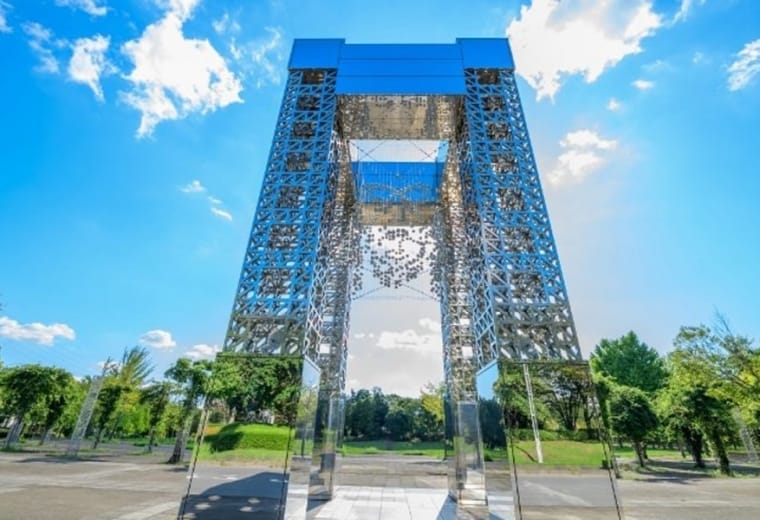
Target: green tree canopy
x=35, y=386
x=630, y=362
x=632, y=415
x=725, y=363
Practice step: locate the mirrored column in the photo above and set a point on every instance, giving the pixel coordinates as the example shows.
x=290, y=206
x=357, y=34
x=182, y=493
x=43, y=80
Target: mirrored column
x=253, y=455
x=560, y=461
x=327, y=443
x=499, y=487
x=467, y=477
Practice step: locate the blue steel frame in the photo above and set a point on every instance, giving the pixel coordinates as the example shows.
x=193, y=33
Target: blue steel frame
x=497, y=271
x=519, y=301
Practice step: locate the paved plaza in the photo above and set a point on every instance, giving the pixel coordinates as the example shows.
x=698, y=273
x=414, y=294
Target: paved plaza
x=142, y=488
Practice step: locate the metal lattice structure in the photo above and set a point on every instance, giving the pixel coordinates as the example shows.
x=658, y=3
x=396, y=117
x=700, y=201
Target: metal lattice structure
x=497, y=272
x=495, y=267
x=520, y=305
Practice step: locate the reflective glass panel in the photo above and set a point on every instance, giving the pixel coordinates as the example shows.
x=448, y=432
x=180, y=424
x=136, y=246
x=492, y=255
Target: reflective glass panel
x=257, y=415
x=561, y=464
x=498, y=478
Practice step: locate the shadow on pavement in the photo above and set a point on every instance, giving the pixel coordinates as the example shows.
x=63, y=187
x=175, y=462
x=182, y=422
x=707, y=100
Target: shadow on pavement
x=246, y=498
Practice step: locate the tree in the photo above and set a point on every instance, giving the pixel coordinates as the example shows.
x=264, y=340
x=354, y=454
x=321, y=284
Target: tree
x=399, y=420
x=724, y=362
x=565, y=389
x=108, y=401
x=698, y=397
x=491, y=424
x=677, y=408
x=632, y=415
x=192, y=382
x=156, y=397
x=135, y=367
x=380, y=409
x=431, y=399
x=251, y=384
x=28, y=386
x=61, y=391
x=630, y=362
x=359, y=413
x=120, y=393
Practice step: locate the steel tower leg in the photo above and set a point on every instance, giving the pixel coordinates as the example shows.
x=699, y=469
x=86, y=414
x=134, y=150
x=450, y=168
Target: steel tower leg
x=520, y=303
x=290, y=299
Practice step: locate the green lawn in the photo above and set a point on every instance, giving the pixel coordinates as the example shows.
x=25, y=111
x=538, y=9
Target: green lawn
x=430, y=449
x=255, y=444
x=627, y=452
x=560, y=453
x=253, y=456
x=556, y=453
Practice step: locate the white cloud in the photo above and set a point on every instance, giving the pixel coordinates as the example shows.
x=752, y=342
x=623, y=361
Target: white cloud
x=92, y=7
x=226, y=215
x=266, y=55
x=88, y=62
x=182, y=8
x=202, y=351
x=430, y=324
x=261, y=58
x=215, y=202
x=175, y=76
x=226, y=24
x=158, y=339
x=409, y=339
x=4, y=8
x=698, y=58
x=643, y=84
x=685, y=9
x=36, y=332
x=585, y=152
x=657, y=66
x=586, y=138
x=194, y=187
x=745, y=67
x=40, y=39
x=613, y=105
x=552, y=39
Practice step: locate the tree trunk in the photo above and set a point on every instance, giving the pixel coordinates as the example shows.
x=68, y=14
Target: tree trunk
x=179, y=445
x=639, y=452
x=697, y=448
x=45, y=435
x=721, y=454
x=98, y=435
x=151, y=439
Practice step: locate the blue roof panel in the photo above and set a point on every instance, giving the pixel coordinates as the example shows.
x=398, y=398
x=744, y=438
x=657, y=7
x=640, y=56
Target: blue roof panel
x=444, y=51
x=400, y=85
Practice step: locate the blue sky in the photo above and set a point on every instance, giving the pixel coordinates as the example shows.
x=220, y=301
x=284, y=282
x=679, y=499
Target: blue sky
x=134, y=134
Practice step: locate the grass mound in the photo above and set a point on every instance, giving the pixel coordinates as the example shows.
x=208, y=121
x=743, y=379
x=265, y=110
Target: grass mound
x=248, y=436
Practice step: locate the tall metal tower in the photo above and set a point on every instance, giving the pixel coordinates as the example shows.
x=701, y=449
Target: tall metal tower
x=502, y=291
x=495, y=266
